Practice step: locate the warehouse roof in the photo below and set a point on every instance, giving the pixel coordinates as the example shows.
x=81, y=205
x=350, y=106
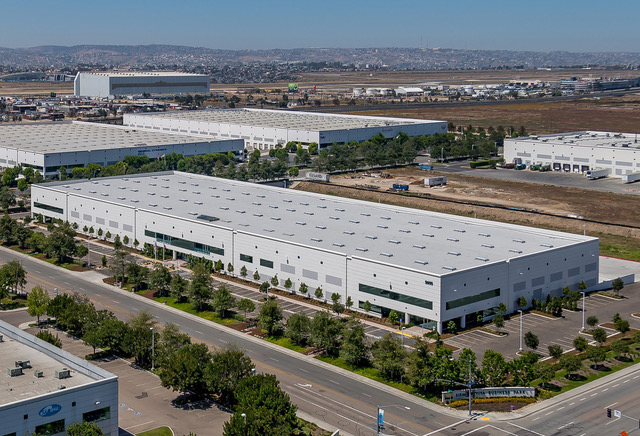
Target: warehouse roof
x=143, y=74
x=427, y=241
x=287, y=119
x=19, y=346
x=616, y=141
x=56, y=137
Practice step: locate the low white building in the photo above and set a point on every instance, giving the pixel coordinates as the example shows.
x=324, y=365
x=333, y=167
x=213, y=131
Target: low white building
x=49, y=146
x=578, y=151
x=429, y=267
x=112, y=84
x=266, y=129
x=46, y=389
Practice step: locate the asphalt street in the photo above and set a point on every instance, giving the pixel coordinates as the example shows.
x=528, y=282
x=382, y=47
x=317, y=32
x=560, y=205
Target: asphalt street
x=348, y=402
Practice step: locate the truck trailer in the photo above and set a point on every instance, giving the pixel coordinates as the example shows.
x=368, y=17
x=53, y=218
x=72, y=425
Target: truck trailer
x=597, y=174
x=435, y=181
x=631, y=177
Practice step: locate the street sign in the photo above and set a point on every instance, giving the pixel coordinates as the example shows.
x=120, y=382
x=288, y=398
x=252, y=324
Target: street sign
x=380, y=417
x=617, y=413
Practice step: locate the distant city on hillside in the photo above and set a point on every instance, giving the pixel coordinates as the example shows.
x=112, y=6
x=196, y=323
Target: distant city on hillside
x=199, y=59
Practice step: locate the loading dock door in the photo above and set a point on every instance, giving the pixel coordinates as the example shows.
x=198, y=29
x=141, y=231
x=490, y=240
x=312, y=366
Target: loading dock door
x=584, y=168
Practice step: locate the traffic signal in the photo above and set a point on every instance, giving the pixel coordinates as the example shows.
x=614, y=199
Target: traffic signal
x=608, y=413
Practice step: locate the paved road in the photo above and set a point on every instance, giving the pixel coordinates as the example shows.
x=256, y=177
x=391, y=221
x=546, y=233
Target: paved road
x=344, y=400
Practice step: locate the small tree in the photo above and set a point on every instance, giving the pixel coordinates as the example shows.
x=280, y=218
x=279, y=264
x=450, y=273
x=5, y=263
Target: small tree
x=264, y=287
x=222, y=301
x=617, y=285
x=37, y=302
x=393, y=317
x=522, y=302
x=335, y=297
x=243, y=271
x=303, y=288
x=256, y=276
x=270, y=316
x=230, y=268
x=287, y=284
x=246, y=305
x=319, y=293
x=622, y=325
x=596, y=355
x=580, y=343
x=452, y=327
x=100, y=232
x=531, y=340
x=84, y=429
x=555, y=351
x=498, y=321
x=104, y=261
x=275, y=281
x=502, y=308
x=367, y=306
x=570, y=363
x=107, y=235
x=600, y=336
x=544, y=371
x=592, y=321
x=126, y=240
x=349, y=302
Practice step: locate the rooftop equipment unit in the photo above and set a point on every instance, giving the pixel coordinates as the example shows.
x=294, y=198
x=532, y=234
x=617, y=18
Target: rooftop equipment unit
x=13, y=372
x=38, y=373
x=62, y=373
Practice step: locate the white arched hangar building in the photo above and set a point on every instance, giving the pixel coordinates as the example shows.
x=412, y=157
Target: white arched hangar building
x=429, y=267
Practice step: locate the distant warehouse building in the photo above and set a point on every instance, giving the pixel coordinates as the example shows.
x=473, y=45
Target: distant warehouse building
x=578, y=152
x=49, y=146
x=46, y=389
x=266, y=129
x=428, y=267
x=112, y=84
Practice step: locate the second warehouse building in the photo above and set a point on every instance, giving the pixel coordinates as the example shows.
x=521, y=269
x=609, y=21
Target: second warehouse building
x=429, y=267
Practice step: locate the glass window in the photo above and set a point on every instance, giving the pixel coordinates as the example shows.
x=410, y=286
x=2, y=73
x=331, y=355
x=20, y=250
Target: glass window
x=97, y=415
x=47, y=207
x=246, y=258
x=267, y=263
x=415, y=301
x=473, y=298
x=50, y=428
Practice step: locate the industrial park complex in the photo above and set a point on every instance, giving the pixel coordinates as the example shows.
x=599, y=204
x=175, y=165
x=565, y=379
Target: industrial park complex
x=578, y=152
x=112, y=84
x=49, y=146
x=266, y=129
x=430, y=267
x=45, y=389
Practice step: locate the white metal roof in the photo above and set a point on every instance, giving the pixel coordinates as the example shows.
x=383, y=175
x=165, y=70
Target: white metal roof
x=56, y=137
x=21, y=346
x=287, y=119
x=143, y=74
x=428, y=241
x=587, y=138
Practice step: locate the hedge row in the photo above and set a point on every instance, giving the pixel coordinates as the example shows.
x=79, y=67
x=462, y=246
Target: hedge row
x=461, y=403
x=484, y=163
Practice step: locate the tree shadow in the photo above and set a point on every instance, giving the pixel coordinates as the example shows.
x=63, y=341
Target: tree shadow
x=575, y=377
x=601, y=368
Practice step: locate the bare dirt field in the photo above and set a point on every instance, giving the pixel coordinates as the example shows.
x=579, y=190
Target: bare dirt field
x=616, y=114
x=592, y=205
x=35, y=89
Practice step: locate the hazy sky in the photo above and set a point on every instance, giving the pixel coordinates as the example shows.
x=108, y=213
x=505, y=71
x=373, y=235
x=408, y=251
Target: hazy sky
x=539, y=25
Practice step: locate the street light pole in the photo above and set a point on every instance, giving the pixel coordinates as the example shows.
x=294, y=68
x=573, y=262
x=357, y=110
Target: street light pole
x=521, y=316
x=583, y=308
x=402, y=334
x=153, y=353
x=469, y=387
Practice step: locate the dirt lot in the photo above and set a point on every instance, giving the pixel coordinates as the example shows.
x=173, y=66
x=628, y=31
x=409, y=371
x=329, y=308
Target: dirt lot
x=593, y=205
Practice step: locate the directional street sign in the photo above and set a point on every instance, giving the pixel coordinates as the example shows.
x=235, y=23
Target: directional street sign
x=617, y=413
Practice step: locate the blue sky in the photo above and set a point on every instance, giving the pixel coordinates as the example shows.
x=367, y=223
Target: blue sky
x=540, y=25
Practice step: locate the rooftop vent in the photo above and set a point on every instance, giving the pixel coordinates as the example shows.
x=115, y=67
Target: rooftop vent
x=304, y=203
x=361, y=249
x=320, y=206
x=449, y=267
x=255, y=203
x=349, y=232
x=546, y=245
x=291, y=210
x=414, y=222
x=382, y=226
x=453, y=239
x=365, y=214
x=435, y=226
x=385, y=217
x=321, y=227
x=316, y=239
x=514, y=250
x=371, y=236
x=339, y=209
x=486, y=235
x=484, y=259
x=276, y=218
x=38, y=373
x=354, y=221
x=309, y=213
x=454, y=253
x=338, y=244
x=459, y=230
x=404, y=230
x=301, y=223
x=422, y=247
x=257, y=214
x=520, y=241
x=428, y=235
x=420, y=261
x=386, y=254
x=394, y=241
x=487, y=245
x=334, y=218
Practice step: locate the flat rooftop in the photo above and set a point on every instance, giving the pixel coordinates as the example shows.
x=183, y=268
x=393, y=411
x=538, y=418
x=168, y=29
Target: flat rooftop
x=21, y=346
x=143, y=74
x=56, y=137
x=610, y=140
x=427, y=241
x=287, y=119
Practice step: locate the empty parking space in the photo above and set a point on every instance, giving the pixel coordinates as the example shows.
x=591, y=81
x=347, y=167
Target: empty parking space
x=471, y=339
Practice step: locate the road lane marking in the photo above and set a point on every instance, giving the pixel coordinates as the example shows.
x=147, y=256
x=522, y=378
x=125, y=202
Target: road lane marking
x=565, y=425
x=222, y=340
x=366, y=395
x=610, y=405
x=605, y=390
x=618, y=384
x=594, y=394
x=446, y=427
x=561, y=408
x=636, y=377
x=333, y=381
x=572, y=403
x=274, y=359
x=548, y=413
x=303, y=370
x=535, y=419
x=524, y=428
x=582, y=399
x=626, y=381
x=200, y=333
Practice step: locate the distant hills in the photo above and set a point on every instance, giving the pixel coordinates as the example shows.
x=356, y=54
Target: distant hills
x=392, y=58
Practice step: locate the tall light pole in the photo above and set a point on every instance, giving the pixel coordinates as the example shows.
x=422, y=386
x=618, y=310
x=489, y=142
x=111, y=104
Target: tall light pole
x=153, y=352
x=380, y=416
x=469, y=387
x=521, y=316
x=583, y=308
x=89, y=250
x=402, y=334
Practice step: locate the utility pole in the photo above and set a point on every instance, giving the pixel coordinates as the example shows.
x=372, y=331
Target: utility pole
x=521, y=316
x=583, y=308
x=153, y=353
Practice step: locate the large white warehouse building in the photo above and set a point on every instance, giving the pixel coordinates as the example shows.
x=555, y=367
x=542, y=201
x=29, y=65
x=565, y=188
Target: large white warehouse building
x=266, y=129
x=49, y=146
x=112, y=84
x=429, y=267
x=46, y=389
x=578, y=151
